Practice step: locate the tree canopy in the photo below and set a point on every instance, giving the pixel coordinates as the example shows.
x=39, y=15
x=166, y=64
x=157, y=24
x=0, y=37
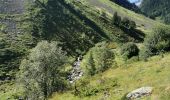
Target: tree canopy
x=39, y=72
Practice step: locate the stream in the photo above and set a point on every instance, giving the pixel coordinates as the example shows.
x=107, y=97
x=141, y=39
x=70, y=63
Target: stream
x=76, y=72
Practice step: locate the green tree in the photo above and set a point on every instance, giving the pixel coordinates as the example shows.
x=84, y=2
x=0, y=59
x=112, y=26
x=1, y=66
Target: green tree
x=132, y=25
x=125, y=22
x=129, y=50
x=98, y=59
x=116, y=19
x=91, y=65
x=39, y=72
x=158, y=41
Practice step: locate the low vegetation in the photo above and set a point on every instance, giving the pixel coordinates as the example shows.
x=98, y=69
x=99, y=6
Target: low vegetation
x=114, y=84
x=39, y=73
x=129, y=50
x=157, y=42
x=98, y=59
x=83, y=50
x=125, y=22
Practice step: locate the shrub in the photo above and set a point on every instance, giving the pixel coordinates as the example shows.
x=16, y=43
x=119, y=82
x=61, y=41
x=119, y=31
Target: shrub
x=125, y=22
x=39, y=73
x=88, y=91
x=98, y=59
x=129, y=50
x=144, y=53
x=116, y=19
x=156, y=42
x=132, y=25
x=85, y=88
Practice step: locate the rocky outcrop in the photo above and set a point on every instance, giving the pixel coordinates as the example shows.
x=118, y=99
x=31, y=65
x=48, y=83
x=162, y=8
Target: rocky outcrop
x=138, y=93
x=11, y=6
x=9, y=9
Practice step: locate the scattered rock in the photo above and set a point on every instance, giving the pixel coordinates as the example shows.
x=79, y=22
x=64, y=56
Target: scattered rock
x=11, y=6
x=76, y=73
x=138, y=93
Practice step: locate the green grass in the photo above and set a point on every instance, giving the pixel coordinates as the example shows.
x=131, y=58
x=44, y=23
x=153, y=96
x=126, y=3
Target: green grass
x=93, y=10
x=143, y=23
x=104, y=23
x=7, y=90
x=129, y=76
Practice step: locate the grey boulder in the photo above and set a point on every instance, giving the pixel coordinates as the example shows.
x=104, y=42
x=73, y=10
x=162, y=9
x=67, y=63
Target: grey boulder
x=140, y=92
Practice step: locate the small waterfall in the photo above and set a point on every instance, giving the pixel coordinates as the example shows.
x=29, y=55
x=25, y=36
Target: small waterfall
x=76, y=73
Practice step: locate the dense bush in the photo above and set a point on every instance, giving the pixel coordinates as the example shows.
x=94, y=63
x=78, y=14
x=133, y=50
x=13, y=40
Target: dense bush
x=132, y=25
x=98, y=59
x=11, y=52
x=156, y=42
x=127, y=23
x=124, y=23
x=129, y=50
x=39, y=73
x=116, y=20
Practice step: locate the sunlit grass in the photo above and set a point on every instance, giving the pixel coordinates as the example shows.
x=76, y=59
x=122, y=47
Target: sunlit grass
x=154, y=72
x=143, y=23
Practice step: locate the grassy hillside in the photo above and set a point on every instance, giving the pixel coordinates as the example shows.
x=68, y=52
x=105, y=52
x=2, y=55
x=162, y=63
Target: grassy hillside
x=79, y=27
x=101, y=19
x=13, y=44
x=76, y=25
x=143, y=23
x=123, y=76
x=127, y=77
x=22, y=28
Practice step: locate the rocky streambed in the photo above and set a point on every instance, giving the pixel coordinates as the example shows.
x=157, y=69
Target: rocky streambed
x=76, y=72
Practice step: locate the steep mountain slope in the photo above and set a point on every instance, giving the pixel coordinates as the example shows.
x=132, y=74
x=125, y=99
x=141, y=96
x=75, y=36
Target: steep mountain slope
x=77, y=25
x=143, y=23
x=22, y=28
x=115, y=83
x=126, y=4
x=10, y=32
x=76, y=29
x=8, y=10
x=157, y=8
x=52, y=20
